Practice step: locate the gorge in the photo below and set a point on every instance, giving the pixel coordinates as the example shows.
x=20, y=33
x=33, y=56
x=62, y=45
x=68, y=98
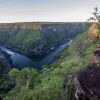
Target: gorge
x=20, y=61
x=33, y=74
x=39, y=38
x=40, y=42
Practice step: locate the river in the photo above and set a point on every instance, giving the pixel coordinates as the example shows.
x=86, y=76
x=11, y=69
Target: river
x=20, y=61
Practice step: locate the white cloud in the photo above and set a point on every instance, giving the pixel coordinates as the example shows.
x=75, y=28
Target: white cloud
x=55, y=11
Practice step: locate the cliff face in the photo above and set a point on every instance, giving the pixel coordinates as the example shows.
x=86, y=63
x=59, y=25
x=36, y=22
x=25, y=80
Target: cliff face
x=21, y=26
x=88, y=84
x=36, y=37
x=69, y=28
x=96, y=55
x=88, y=81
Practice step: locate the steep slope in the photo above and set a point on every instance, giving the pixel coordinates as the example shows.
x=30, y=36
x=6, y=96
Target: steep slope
x=88, y=81
x=55, y=82
x=36, y=38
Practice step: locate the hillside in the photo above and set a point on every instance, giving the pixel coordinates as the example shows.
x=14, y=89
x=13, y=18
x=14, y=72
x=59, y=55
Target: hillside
x=88, y=81
x=37, y=38
x=55, y=82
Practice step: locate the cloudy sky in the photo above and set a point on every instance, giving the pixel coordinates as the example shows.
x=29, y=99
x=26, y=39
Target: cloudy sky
x=46, y=10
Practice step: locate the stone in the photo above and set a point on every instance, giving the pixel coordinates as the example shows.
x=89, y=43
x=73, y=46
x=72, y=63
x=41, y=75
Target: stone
x=88, y=84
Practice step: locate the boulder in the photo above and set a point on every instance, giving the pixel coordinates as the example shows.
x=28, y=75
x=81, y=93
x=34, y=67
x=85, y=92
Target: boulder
x=88, y=84
x=96, y=55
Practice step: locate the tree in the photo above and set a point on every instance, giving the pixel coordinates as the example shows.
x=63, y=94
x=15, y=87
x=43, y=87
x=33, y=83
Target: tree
x=96, y=16
x=24, y=76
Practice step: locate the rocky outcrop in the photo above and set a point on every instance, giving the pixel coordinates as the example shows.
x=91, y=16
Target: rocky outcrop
x=88, y=82
x=20, y=25
x=96, y=55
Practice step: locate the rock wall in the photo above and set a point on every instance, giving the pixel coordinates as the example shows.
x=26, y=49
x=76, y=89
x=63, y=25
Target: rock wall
x=88, y=82
x=35, y=38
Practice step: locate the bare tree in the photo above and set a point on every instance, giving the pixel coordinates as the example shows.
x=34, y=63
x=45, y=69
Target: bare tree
x=96, y=16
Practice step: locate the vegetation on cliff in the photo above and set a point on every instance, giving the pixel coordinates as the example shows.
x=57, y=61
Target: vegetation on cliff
x=56, y=82
x=87, y=82
x=5, y=84
x=35, y=37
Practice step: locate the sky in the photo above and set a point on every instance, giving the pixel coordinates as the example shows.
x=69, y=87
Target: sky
x=46, y=10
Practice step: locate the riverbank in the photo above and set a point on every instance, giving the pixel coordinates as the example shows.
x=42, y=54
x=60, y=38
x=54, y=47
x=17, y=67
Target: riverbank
x=53, y=47
x=44, y=51
x=19, y=60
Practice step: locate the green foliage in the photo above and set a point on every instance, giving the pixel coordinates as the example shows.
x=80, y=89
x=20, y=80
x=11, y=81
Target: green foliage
x=27, y=40
x=23, y=76
x=5, y=84
x=56, y=82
